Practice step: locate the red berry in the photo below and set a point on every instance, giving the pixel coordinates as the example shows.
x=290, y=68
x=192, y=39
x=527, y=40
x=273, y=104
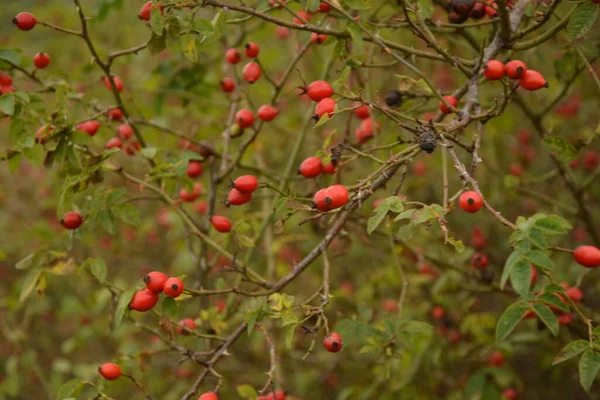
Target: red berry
x=491, y=11
x=532, y=80
x=471, y=201
x=125, y=131
x=132, y=148
x=509, y=394
x=41, y=135
x=194, y=169
x=251, y=72
x=515, y=69
x=6, y=89
x=41, y=60
x=478, y=11
x=451, y=100
x=71, y=220
x=114, y=143
x=336, y=196
x=237, y=198
x=116, y=114
x=110, y=371
x=590, y=160
x=324, y=7
x=246, y=183
x=227, y=85
x=221, y=224
x=244, y=118
x=587, y=256
x=311, y=167
x=89, y=127
x=361, y=112
x=200, y=207
x=118, y=83
x=365, y=130
x=318, y=38
x=146, y=10
x=282, y=32
x=188, y=196
x=279, y=395
x=173, y=287
x=186, y=323
x=233, y=56
x=252, y=50
x=143, y=300
x=155, y=281
x=438, y=313
x=524, y=136
x=5, y=79
x=329, y=168
x=515, y=170
x=325, y=106
x=319, y=200
x=267, y=112
x=25, y=21
x=494, y=70
x=318, y=90
x=208, y=396
x=301, y=14
x=565, y=319
x=575, y=294
x=333, y=343
x=496, y=359
x=479, y=261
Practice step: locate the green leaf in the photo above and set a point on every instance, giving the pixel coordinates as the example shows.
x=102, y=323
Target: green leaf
x=108, y=221
x=547, y=317
x=553, y=225
x=520, y=277
x=29, y=283
x=312, y=5
x=553, y=300
x=589, y=365
x=426, y=8
x=407, y=232
x=357, y=4
x=65, y=200
x=170, y=308
x=288, y=318
x=375, y=221
x=565, y=66
x=188, y=44
x=290, y=332
x=537, y=238
x=71, y=389
x=581, y=21
x=127, y=213
x=7, y=103
x=458, y=244
x=539, y=259
x=571, y=350
x=247, y=392
x=219, y=23
x=97, y=268
x=356, y=36
x=554, y=288
x=511, y=317
x=511, y=261
x=10, y=55
x=157, y=21
x=324, y=118
x=149, y=152
x=564, y=150
x=123, y=305
x=157, y=43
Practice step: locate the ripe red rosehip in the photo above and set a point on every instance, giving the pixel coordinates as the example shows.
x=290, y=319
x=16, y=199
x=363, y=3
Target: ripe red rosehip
x=155, y=281
x=221, y=224
x=333, y=343
x=41, y=135
x=496, y=359
x=233, y=56
x=251, y=72
x=494, y=70
x=89, y=127
x=125, y=131
x=319, y=200
x=479, y=261
x=41, y=60
x=186, y=323
x=194, y=169
x=132, y=148
x=244, y=118
x=279, y=395
x=71, y=220
x=318, y=90
x=282, y=32
x=227, y=85
x=25, y=21
x=591, y=160
x=438, y=313
x=366, y=131
x=267, y=112
x=532, y=80
x=114, y=143
x=471, y=201
x=188, y=196
x=565, y=319
x=451, y=100
x=237, y=198
x=110, y=371
x=311, y=167
x=208, y=396
x=361, y=112
x=325, y=106
x=575, y=294
x=301, y=14
x=317, y=38
x=200, y=207
x=509, y=394
x=118, y=83
x=116, y=114
x=146, y=11
x=329, y=168
x=491, y=11
x=336, y=196
x=587, y=256
x=143, y=300
x=246, y=183
x=252, y=50
x=173, y=287
x=515, y=69
x=5, y=79
x=324, y=7
x=7, y=89
x=515, y=170
x=478, y=11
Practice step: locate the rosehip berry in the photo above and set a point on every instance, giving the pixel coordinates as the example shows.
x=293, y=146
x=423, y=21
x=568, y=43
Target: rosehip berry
x=301, y=14
x=200, y=207
x=116, y=114
x=336, y=196
x=6, y=89
x=471, y=201
x=451, y=100
x=496, y=359
x=479, y=261
x=587, y=256
x=317, y=38
x=494, y=70
x=5, y=79
x=194, y=169
x=110, y=371
x=251, y=72
x=208, y=396
x=456, y=18
x=155, y=281
x=246, y=183
x=532, y=80
x=319, y=200
x=390, y=305
x=393, y=98
x=227, y=85
x=282, y=32
x=318, y=90
x=324, y=7
x=233, y=56
x=252, y=50
x=590, y=160
x=143, y=300
x=188, y=196
x=114, y=143
x=71, y=220
x=132, y=148
x=515, y=69
x=329, y=168
x=186, y=323
x=478, y=11
x=41, y=60
x=237, y=198
x=25, y=21
x=575, y=294
x=89, y=127
x=146, y=11
x=311, y=167
x=125, y=131
x=173, y=287
x=325, y=106
x=118, y=83
x=361, y=112
x=41, y=135
x=267, y=112
x=244, y=118
x=515, y=170
x=509, y=394
x=491, y=11
x=221, y=224
x=365, y=130
x=438, y=313
x=463, y=7
x=333, y=343
x=279, y=395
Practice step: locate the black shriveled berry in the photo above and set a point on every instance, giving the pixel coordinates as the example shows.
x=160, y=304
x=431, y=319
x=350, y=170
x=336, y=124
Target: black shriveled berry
x=427, y=139
x=393, y=98
x=463, y=7
x=487, y=276
x=478, y=11
x=447, y=321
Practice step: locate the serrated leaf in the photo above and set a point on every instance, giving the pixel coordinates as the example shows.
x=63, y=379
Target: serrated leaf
x=149, y=152
x=520, y=277
x=10, y=55
x=537, y=238
x=581, y=21
x=426, y=8
x=510, y=318
x=123, y=305
x=564, y=150
x=188, y=45
x=324, y=118
x=407, y=232
x=458, y=244
x=589, y=365
x=7, y=103
x=157, y=43
x=170, y=308
x=553, y=300
x=511, y=261
x=553, y=225
x=356, y=36
x=127, y=213
x=247, y=392
x=547, y=316
x=157, y=20
x=97, y=268
x=70, y=389
x=290, y=331
x=108, y=221
x=375, y=221
x=554, y=288
x=288, y=318
x=571, y=350
x=219, y=22
x=29, y=283
x=539, y=259
x=408, y=214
